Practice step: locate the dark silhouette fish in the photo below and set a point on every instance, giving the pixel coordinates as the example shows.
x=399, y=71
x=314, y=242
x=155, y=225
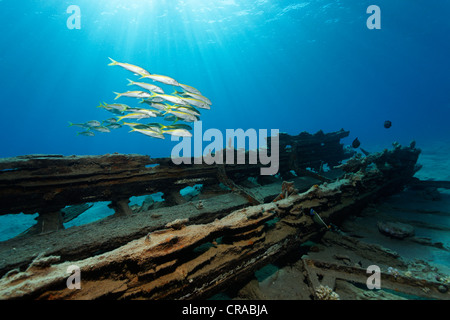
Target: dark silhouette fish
x=356, y=143
x=387, y=124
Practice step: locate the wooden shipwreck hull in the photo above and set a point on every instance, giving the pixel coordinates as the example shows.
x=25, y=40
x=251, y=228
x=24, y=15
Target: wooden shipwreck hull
x=207, y=248
x=45, y=184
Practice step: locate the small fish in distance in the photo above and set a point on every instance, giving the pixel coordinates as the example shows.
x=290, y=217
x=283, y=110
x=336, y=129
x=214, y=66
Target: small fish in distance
x=93, y=123
x=114, y=126
x=101, y=129
x=356, y=143
x=387, y=124
x=109, y=121
x=86, y=133
x=81, y=125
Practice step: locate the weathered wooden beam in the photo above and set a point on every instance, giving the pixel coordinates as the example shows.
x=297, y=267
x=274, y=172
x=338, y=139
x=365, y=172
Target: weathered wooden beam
x=49, y=221
x=222, y=177
x=121, y=207
x=422, y=184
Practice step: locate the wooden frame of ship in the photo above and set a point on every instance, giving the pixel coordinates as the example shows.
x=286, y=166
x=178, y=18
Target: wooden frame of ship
x=188, y=249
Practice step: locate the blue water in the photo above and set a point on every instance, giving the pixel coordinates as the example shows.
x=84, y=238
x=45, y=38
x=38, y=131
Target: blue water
x=288, y=65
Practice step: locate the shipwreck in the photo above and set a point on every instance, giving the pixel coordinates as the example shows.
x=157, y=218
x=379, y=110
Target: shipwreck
x=191, y=248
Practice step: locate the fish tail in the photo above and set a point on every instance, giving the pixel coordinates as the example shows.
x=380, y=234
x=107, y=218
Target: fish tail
x=113, y=62
x=118, y=95
x=131, y=82
x=70, y=124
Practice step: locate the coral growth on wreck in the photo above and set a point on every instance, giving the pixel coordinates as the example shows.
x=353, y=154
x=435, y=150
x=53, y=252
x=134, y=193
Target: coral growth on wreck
x=326, y=293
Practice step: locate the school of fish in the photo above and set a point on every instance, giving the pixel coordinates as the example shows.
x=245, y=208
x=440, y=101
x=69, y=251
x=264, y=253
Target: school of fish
x=179, y=106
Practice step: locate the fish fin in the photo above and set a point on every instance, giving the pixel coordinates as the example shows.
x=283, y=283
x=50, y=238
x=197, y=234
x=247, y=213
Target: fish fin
x=70, y=124
x=117, y=95
x=113, y=62
x=131, y=82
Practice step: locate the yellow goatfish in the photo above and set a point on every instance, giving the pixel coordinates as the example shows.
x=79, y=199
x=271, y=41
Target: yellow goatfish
x=133, y=94
x=135, y=69
x=189, y=89
x=169, y=98
x=196, y=103
x=137, y=116
x=149, y=132
x=162, y=79
x=147, y=86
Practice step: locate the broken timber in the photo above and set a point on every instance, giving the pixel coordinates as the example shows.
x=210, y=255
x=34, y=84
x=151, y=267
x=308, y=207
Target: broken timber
x=197, y=260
